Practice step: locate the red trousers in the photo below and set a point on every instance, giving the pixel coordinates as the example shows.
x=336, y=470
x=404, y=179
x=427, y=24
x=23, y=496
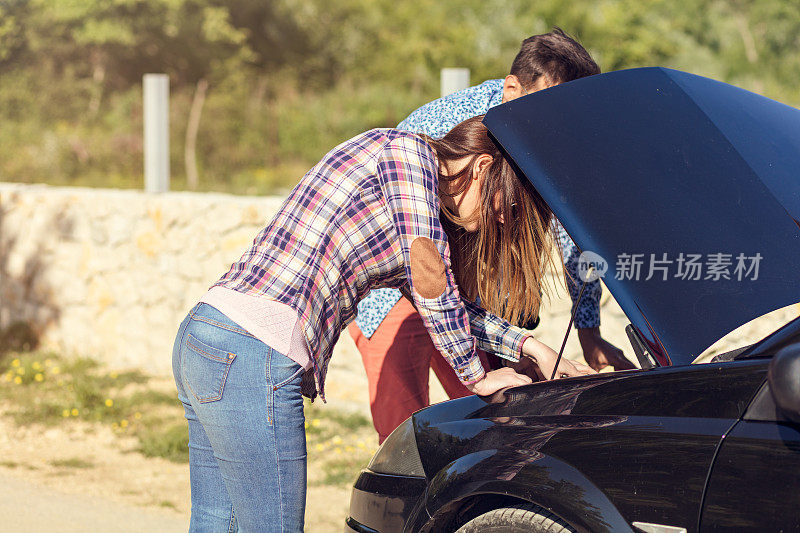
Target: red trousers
x=397, y=359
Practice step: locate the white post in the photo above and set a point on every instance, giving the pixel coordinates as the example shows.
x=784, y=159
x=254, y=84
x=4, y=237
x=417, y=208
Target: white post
x=454, y=79
x=156, y=132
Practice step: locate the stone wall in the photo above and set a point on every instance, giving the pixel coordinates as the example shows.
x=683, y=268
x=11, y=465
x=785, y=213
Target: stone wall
x=111, y=273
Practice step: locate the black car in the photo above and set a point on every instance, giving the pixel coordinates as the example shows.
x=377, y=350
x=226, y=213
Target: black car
x=662, y=166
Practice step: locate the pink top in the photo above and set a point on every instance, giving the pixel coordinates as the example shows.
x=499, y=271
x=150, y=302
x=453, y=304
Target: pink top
x=273, y=323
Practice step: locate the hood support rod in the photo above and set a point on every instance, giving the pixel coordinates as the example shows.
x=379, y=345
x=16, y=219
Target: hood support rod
x=571, y=320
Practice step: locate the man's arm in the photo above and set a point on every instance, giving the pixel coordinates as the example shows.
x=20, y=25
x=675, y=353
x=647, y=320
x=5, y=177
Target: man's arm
x=587, y=314
x=598, y=352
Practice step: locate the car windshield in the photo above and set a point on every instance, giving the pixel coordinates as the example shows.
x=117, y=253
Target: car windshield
x=750, y=333
x=556, y=313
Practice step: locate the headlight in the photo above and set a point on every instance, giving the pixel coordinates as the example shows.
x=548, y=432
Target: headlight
x=398, y=454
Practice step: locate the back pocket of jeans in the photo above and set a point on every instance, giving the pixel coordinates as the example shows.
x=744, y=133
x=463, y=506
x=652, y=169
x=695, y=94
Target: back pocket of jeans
x=205, y=369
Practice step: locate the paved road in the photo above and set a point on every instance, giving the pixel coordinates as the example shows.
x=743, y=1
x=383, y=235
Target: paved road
x=27, y=507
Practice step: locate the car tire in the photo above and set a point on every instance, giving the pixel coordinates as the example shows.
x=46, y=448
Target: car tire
x=521, y=518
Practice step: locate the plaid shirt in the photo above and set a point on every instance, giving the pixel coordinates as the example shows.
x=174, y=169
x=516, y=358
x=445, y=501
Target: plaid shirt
x=347, y=228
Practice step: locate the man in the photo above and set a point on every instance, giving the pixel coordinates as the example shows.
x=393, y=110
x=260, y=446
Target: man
x=393, y=342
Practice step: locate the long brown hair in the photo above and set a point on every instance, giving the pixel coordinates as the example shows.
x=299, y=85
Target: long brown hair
x=503, y=264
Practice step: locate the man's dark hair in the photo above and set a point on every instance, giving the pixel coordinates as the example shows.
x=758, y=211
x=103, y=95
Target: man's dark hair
x=555, y=55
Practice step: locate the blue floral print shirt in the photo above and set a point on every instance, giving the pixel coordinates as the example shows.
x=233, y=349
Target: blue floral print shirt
x=435, y=119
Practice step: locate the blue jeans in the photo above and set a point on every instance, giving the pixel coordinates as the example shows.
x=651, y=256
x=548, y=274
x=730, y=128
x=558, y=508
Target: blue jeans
x=247, y=442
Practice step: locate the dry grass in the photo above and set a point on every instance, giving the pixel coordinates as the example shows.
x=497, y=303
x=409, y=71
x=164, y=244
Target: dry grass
x=44, y=393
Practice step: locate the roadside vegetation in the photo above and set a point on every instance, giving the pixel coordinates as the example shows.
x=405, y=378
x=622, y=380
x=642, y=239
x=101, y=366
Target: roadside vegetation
x=272, y=86
x=44, y=389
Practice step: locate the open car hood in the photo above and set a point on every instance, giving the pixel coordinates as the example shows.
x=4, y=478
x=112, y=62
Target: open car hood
x=654, y=161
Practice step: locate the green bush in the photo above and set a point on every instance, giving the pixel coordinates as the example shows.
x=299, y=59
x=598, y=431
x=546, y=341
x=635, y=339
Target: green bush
x=289, y=80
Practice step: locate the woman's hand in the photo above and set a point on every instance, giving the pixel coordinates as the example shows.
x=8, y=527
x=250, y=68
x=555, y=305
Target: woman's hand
x=542, y=355
x=498, y=379
x=545, y=357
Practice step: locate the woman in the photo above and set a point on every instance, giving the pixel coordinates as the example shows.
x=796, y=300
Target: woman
x=365, y=216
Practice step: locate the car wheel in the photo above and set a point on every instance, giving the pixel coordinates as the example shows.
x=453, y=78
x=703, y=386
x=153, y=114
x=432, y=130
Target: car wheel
x=521, y=518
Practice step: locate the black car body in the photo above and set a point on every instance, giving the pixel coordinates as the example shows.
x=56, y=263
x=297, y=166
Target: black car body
x=691, y=166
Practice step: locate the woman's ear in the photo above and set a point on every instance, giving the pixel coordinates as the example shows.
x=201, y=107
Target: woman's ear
x=481, y=165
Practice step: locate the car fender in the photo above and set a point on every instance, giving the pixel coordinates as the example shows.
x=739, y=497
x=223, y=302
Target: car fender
x=539, y=479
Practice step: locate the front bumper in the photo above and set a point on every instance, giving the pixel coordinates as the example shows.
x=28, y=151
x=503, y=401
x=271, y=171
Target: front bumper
x=384, y=503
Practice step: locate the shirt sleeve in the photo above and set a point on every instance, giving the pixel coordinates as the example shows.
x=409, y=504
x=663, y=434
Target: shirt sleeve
x=409, y=179
x=587, y=314
x=495, y=334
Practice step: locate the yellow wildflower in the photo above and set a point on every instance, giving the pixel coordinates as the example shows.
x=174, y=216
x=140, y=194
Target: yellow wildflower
x=8, y=376
x=109, y=402
x=21, y=371
x=65, y=413
x=15, y=363
x=337, y=440
x=56, y=370
x=74, y=412
x=123, y=423
x=137, y=415
x=38, y=377
x=18, y=380
x=315, y=422
x=36, y=365
x=113, y=375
